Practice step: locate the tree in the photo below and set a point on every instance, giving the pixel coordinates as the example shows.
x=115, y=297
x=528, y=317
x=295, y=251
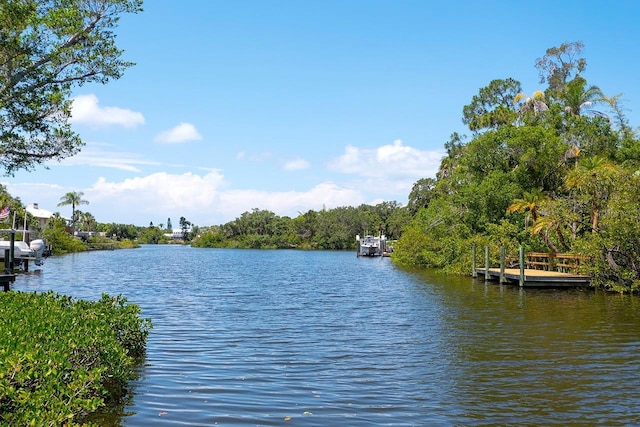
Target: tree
x=86, y=221
x=169, y=226
x=47, y=47
x=534, y=103
x=185, y=225
x=578, y=97
x=421, y=194
x=593, y=181
x=559, y=65
x=73, y=198
x=492, y=107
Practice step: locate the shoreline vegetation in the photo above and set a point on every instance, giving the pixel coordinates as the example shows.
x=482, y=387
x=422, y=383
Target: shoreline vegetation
x=62, y=359
x=554, y=170
x=551, y=169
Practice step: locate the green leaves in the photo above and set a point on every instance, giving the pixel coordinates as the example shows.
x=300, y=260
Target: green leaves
x=61, y=358
x=46, y=48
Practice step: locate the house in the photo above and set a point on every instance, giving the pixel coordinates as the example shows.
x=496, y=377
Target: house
x=42, y=215
x=177, y=233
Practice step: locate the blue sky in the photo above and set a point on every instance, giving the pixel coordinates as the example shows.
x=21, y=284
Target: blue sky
x=291, y=105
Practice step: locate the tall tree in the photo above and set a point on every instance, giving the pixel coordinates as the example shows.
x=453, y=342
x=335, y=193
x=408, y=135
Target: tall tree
x=559, y=65
x=593, y=181
x=185, y=225
x=73, y=198
x=47, y=47
x=578, y=97
x=492, y=106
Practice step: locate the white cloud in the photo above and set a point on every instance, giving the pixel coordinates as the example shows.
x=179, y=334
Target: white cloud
x=85, y=110
x=325, y=195
x=184, y=132
x=202, y=199
x=391, y=161
x=390, y=169
x=296, y=164
x=160, y=191
x=93, y=155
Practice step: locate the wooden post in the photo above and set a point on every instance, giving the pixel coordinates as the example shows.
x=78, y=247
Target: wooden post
x=486, y=263
x=502, y=262
x=521, y=266
x=12, y=242
x=7, y=267
x=473, y=261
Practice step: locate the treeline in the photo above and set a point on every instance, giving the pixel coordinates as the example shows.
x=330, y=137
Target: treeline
x=326, y=229
x=554, y=171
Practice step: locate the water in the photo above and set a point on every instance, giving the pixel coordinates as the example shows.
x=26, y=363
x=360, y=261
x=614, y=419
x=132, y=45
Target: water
x=275, y=338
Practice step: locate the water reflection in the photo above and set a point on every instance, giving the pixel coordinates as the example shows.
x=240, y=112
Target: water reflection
x=325, y=338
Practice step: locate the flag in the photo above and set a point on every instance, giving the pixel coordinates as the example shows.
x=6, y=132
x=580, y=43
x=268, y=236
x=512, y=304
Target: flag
x=4, y=213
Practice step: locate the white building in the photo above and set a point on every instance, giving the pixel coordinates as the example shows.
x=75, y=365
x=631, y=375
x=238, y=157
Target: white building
x=42, y=215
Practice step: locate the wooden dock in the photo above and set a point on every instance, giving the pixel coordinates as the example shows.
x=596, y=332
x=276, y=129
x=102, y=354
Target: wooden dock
x=6, y=280
x=535, y=270
x=536, y=278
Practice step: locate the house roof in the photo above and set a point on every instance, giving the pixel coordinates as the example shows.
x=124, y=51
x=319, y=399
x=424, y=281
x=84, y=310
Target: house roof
x=34, y=210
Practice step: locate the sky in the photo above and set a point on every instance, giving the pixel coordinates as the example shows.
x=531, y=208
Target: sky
x=290, y=106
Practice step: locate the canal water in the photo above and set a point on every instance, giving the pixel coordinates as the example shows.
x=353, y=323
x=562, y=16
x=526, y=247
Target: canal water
x=310, y=338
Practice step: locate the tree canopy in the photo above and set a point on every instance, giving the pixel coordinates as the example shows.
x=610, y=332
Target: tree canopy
x=47, y=47
x=554, y=171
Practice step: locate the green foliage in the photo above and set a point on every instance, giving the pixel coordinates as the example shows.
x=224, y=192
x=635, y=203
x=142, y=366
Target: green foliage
x=62, y=241
x=493, y=106
x=327, y=229
x=152, y=235
x=49, y=47
x=555, y=180
x=60, y=358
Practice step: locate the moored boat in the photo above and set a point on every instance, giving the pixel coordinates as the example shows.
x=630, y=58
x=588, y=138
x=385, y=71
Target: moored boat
x=24, y=252
x=371, y=245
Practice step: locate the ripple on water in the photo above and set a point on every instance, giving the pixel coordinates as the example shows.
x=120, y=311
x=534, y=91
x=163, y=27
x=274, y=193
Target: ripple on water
x=325, y=338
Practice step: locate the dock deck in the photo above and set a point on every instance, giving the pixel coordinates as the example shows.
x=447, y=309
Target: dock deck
x=537, y=278
x=6, y=280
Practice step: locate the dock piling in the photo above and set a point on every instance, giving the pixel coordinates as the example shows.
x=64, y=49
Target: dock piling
x=502, y=262
x=486, y=263
x=473, y=261
x=521, y=259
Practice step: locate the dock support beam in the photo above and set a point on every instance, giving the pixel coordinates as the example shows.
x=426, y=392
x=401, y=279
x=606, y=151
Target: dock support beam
x=521, y=266
x=502, y=262
x=474, y=273
x=486, y=263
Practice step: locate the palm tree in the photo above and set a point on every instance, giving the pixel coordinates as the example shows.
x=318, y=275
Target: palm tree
x=531, y=201
x=578, y=97
x=535, y=102
x=73, y=198
x=86, y=220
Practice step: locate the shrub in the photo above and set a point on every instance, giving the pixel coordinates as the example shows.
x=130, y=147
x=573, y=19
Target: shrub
x=61, y=358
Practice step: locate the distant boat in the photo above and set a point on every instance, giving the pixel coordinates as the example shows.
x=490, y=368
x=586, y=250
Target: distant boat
x=25, y=252
x=371, y=245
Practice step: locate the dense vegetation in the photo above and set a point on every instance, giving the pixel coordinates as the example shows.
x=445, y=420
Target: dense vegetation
x=61, y=359
x=557, y=171
x=327, y=229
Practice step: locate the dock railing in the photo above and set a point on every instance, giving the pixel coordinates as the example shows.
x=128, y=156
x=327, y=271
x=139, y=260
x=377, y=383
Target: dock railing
x=537, y=261
x=563, y=263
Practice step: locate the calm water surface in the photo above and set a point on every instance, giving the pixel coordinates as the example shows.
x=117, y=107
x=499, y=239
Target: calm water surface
x=275, y=338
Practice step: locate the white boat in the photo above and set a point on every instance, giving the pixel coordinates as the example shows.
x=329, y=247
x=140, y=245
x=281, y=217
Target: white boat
x=371, y=245
x=23, y=251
